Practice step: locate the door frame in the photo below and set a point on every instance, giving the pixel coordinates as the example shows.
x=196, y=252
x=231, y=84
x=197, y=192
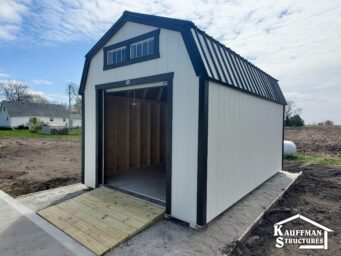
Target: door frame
x=167, y=78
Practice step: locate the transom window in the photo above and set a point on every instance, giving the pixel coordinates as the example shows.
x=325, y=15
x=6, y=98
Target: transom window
x=142, y=48
x=116, y=56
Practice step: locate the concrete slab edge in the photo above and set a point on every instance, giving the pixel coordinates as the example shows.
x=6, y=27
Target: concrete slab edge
x=260, y=216
x=57, y=234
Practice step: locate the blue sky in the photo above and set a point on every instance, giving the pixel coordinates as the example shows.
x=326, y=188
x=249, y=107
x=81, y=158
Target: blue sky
x=43, y=43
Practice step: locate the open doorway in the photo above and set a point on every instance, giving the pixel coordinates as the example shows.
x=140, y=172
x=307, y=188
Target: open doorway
x=135, y=141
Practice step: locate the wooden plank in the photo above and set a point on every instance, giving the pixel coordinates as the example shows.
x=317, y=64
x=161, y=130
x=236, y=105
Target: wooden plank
x=135, y=135
x=122, y=139
x=110, y=136
x=77, y=234
x=155, y=134
x=145, y=133
x=163, y=132
x=102, y=219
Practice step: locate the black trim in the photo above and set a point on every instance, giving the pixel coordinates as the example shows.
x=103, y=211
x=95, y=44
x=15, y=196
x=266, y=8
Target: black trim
x=100, y=88
x=202, y=152
x=83, y=141
x=283, y=127
x=99, y=131
x=127, y=43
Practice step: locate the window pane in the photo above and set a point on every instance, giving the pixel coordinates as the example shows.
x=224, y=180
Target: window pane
x=145, y=48
x=133, y=51
x=124, y=50
x=109, y=58
x=139, y=50
x=151, y=46
x=114, y=57
x=119, y=55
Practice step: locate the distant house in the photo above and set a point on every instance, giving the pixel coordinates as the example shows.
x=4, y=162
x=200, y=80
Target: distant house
x=75, y=120
x=17, y=114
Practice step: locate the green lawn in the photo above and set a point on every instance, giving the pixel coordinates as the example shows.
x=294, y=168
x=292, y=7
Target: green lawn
x=74, y=134
x=316, y=159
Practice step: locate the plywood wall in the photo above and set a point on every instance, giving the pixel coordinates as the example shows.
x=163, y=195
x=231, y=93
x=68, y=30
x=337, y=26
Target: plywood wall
x=135, y=136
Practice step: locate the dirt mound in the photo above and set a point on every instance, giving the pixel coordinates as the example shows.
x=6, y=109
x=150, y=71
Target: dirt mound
x=31, y=164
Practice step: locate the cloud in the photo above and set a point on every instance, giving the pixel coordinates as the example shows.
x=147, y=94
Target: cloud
x=41, y=82
x=297, y=42
x=11, y=16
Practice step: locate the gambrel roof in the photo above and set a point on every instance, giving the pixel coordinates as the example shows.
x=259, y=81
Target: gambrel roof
x=210, y=59
x=23, y=108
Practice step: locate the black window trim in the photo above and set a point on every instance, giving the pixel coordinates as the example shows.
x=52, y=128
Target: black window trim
x=155, y=34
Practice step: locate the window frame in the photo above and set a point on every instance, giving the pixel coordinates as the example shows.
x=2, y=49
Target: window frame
x=127, y=43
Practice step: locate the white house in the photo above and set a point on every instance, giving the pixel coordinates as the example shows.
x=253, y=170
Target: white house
x=16, y=114
x=173, y=116
x=75, y=120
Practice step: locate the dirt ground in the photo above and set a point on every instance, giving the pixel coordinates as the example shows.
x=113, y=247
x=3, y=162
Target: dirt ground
x=317, y=195
x=316, y=140
x=32, y=164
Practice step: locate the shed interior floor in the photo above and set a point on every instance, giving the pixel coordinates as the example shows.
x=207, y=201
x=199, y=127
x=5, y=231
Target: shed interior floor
x=148, y=181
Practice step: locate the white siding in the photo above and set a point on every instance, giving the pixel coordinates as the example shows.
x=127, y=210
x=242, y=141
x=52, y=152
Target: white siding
x=76, y=123
x=23, y=120
x=174, y=58
x=244, y=145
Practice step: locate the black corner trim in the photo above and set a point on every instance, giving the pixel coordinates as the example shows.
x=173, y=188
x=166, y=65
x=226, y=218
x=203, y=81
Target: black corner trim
x=283, y=129
x=155, y=34
x=202, y=152
x=83, y=142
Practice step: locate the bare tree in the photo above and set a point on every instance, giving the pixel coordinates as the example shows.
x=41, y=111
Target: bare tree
x=12, y=90
x=36, y=98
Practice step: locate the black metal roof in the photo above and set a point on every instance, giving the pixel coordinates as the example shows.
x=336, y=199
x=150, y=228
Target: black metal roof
x=210, y=59
x=23, y=108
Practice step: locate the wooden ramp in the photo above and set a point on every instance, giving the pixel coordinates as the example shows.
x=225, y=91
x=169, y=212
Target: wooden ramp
x=102, y=218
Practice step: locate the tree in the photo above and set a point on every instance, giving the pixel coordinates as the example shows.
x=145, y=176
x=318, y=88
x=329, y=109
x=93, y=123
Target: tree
x=329, y=122
x=296, y=120
x=36, y=98
x=77, y=107
x=12, y=90
x=292, y=115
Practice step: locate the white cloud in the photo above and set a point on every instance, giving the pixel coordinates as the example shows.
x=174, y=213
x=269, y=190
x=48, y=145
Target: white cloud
x=297, y=42
x=41, y=82
x=11, y=16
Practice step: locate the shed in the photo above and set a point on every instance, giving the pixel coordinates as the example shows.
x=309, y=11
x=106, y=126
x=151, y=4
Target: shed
x=175, y=117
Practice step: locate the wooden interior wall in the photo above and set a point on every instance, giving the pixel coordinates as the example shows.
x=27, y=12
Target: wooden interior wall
x=135, y=136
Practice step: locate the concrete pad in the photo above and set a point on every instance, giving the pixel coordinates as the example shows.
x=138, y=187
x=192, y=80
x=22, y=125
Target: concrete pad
x=22, y=232
x=43, y=199
x=171, y=238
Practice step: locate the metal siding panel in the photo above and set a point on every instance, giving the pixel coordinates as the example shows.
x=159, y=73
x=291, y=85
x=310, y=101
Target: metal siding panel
x=216, y=60
x=233, y=66
x=239, y=125
x=229, y=66
x=207, y=54
x=223, y=64
x=202, y=53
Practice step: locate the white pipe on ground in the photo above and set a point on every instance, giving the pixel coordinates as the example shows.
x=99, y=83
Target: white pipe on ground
x=289, y=148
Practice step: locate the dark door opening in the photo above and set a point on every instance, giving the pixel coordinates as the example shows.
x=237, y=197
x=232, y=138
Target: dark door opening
x=135, y=142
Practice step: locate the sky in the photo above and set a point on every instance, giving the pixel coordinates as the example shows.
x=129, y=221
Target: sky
x=43, y=43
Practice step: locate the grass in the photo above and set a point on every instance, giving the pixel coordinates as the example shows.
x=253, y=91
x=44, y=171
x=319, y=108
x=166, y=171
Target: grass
x=74, y=134
x=316, y=159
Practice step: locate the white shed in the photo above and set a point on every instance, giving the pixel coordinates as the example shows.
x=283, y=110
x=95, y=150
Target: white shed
x=173, y=116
